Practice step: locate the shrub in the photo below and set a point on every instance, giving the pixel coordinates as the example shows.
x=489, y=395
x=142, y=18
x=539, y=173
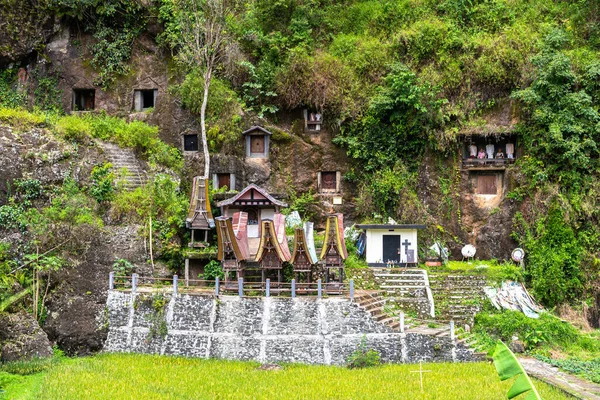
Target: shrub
x=101, y=185
x=364, y=357
x=213, y=270
x=73, y=128
x=546, y=330
x=123, y=267
x=21, y=119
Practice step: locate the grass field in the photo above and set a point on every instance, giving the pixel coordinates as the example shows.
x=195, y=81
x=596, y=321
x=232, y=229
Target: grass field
x=134, y=376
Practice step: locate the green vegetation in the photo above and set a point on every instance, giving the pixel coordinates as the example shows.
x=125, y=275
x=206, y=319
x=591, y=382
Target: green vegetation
x=544, y=335
x=495, y=271
x=115, y=25
x=103, y=377
x=364, y=357
x=81, y=128
x=588, y=369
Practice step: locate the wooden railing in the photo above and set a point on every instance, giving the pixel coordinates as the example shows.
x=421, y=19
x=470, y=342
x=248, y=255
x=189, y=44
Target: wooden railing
x=487, y=162
x=234, y=287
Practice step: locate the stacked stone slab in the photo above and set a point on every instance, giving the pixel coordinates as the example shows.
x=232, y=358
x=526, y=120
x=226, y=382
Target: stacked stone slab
x=458, y=297
x=407, y=287
x=306, y=330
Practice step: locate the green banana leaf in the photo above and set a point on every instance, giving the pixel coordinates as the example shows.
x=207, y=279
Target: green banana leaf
x=14, y=298
x=508, y=366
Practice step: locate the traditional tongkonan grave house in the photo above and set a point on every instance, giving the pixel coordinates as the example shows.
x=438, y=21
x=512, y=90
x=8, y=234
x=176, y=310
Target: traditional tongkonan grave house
x=200, y=219
x=273, y=248
x=257, y=203
x=232, y=241
x=388, y=244
x=304, y=255
x=334, y=250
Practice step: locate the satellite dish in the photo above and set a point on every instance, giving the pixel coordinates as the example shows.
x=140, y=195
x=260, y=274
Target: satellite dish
x=518, y=254
x=468, y=251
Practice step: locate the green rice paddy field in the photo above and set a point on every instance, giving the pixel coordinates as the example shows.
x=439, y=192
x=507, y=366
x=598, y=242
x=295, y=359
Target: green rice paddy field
x=134, y=376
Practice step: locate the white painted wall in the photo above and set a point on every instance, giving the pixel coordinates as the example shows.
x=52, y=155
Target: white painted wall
x=374, y=252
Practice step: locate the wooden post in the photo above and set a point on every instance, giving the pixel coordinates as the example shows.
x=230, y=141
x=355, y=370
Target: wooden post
x=241, y=287
x=351, y=289
x=111, y=280
x=401, y=321
x=319, y=288
x=268, y=288
x=293, y=288
x=134, y=279
x=175, y=283
x=217, y=283
x=150, y=238
x=452, y=334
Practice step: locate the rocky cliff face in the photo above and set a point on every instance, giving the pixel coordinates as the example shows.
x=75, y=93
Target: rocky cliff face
x=25, y=30
x=77, y=294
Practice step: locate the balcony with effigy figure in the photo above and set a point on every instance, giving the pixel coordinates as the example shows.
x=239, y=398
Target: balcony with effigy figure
x=489, y=151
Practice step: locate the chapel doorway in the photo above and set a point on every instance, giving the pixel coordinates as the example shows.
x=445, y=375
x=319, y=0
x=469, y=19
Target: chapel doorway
x=391, y=248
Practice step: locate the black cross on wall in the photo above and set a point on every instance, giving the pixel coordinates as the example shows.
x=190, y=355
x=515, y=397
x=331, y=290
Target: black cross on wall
x=406, y=244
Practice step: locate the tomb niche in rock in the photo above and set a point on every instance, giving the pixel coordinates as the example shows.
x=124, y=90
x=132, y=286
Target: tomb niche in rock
x=390, y=244
x=486, y=157
x=224, y=180
x=144, y=99
x=328, y=182
x=83, y=99
x=257, y=142
x=190, y=142
x=313, y=120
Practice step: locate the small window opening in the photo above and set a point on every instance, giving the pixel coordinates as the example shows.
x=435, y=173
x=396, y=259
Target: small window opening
x=144, y=99
x=84, y=99
x=190, y=142
x=252, y=216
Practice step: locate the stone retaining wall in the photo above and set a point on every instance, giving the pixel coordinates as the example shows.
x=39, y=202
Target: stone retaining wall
x=305, y=330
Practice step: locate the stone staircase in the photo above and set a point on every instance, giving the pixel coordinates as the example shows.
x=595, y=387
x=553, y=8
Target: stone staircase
x=125, y=159
x=409, y=288
x=458, y=297
x=374, y=302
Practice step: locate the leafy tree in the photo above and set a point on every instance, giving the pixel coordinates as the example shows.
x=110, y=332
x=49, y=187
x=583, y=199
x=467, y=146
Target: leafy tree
x=562, y=128
x=198, y=30
x=400, y=123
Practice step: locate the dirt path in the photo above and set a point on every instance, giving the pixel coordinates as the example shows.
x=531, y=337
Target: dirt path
x=572, y=384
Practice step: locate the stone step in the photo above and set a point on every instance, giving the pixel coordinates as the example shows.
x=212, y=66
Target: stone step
x=418, y=281
x=375, y=304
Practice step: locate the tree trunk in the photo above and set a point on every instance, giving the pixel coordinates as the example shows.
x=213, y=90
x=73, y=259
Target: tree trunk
x=207, y=79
